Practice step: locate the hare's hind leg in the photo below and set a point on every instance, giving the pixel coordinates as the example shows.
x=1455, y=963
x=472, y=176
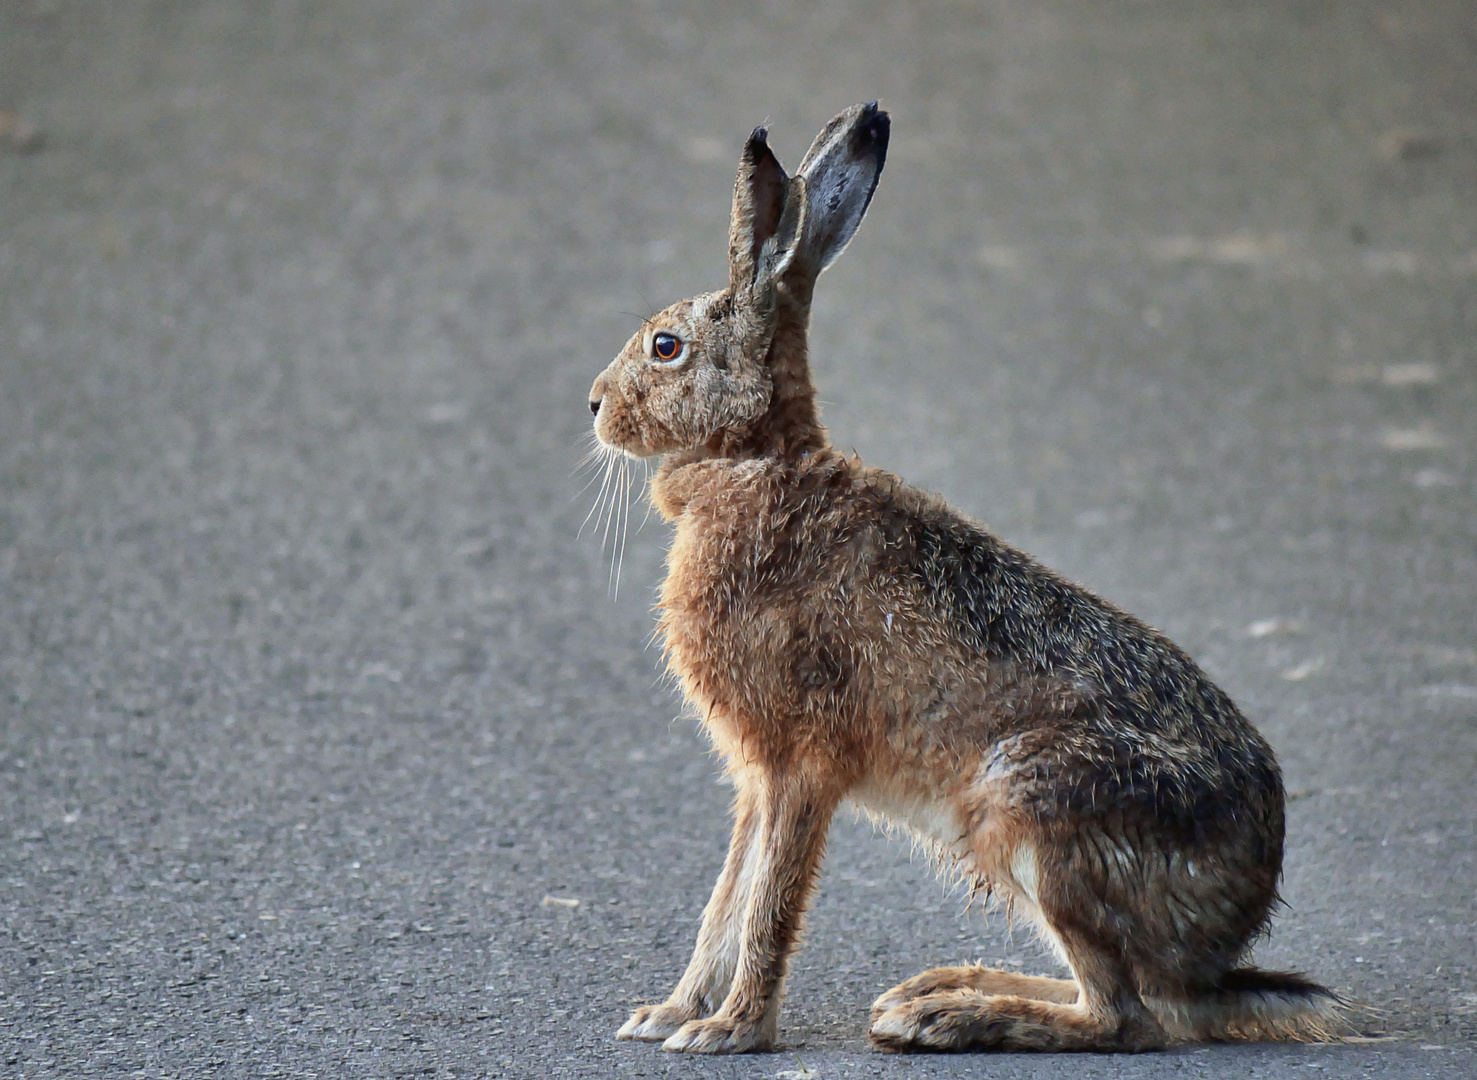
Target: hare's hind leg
x=1107, y=1013
x=985, y=980
x=710, y=971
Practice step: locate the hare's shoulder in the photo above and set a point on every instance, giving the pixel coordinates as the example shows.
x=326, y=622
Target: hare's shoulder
x=826, y=524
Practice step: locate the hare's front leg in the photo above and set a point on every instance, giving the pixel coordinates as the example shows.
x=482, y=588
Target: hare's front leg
x=705, y=983
x=794, y=814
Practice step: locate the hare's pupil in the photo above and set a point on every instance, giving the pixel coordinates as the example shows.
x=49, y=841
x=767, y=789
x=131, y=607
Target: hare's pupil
x=666, y=346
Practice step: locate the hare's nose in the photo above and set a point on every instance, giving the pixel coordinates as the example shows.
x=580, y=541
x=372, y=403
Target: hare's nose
x=597, y=394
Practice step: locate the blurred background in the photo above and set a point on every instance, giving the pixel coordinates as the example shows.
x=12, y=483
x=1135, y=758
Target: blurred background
x=316, y=716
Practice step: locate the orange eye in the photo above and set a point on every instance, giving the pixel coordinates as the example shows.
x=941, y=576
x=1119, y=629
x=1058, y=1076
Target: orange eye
x=666, y=346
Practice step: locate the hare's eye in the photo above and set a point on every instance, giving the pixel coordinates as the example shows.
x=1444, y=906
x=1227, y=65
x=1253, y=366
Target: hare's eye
x=666, y=347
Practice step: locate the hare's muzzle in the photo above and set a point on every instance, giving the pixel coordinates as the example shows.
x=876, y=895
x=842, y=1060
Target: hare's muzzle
x=597, y=394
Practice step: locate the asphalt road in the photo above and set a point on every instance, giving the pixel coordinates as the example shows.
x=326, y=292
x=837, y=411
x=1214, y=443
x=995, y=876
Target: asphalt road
x=309, y=692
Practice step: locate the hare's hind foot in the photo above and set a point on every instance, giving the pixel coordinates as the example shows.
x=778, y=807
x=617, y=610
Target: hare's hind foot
x=656, y=1023
x=977, y=977
x=971, y=1020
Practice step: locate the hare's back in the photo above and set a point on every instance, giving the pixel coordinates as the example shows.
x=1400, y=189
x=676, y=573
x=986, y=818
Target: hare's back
x=1115, y=713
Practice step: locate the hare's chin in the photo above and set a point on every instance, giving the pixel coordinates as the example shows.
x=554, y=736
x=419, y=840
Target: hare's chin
x=628, y=452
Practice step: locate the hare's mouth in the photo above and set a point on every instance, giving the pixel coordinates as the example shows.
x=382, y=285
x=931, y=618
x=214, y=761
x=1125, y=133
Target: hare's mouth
x=615, y=447
x=618, y=431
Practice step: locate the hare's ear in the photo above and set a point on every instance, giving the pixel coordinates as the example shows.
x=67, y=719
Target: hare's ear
x=767, y=210
x=840, y=172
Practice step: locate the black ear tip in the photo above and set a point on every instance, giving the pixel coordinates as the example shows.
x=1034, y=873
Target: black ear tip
x=756, y=149
x=873, y=132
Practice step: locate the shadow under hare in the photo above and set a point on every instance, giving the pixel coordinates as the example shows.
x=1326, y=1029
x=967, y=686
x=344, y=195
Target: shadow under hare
x=843, y=636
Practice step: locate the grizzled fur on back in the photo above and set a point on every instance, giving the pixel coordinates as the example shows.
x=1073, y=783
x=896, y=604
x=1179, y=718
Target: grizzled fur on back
x=1156, y=735
x=845, y=637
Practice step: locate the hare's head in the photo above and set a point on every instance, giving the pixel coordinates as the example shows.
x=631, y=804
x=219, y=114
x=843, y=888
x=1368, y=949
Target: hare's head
x=727, y=370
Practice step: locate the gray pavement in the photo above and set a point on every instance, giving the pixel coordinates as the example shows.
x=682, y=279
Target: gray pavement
x=309, y=693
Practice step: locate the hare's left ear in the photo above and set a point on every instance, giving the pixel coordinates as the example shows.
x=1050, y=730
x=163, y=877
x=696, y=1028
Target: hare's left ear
x=840, y=172
x=768, y=208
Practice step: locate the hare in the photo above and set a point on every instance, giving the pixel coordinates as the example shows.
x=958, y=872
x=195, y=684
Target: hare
x=843, y=636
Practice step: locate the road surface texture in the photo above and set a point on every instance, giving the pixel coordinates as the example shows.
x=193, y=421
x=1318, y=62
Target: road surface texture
x=310, y=692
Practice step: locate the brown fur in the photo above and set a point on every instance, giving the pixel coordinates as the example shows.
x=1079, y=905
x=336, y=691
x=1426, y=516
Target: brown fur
x=846, y=637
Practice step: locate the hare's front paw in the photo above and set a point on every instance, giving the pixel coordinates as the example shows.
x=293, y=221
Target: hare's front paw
x=717, y=1035
x=653, y=1023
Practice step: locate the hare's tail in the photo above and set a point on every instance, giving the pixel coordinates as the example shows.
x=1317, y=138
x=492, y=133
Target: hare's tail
x=1251, y=1004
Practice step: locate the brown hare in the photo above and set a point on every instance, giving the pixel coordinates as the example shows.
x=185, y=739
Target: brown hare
x=843, y=636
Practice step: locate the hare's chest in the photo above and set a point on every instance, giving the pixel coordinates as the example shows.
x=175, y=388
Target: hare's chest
x=753, y=641
x=723, y=619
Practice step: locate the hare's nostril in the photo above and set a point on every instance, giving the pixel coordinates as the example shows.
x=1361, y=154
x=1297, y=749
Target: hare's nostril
x=595, y=407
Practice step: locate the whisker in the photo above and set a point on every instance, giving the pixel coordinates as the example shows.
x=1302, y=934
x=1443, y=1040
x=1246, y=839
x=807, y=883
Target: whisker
x=615, y=537
x=646, y=491
x=625, y=522
x=607, y=489
x=610, y=520
x=625, y=529
x=591, y=463
x=592, y=455
x=654, y=310
x=599, y=498
x=611, y=510
x=617, y=467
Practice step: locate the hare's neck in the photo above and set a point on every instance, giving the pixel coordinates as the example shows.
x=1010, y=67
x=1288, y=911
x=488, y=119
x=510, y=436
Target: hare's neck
x=791, y=428
x=712, y=484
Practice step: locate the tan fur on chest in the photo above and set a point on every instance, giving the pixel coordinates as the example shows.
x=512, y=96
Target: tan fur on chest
x=766, y=624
